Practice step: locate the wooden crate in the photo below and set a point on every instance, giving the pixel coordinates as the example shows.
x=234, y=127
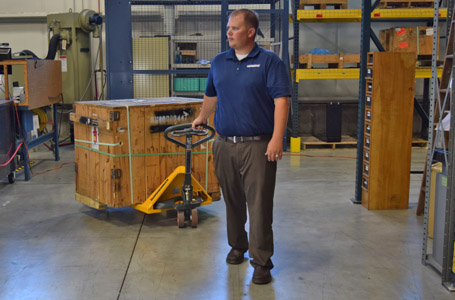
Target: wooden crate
x=322, y=4
x=309, y=61
x=41, y=79
x=103, y=169
x=409, y=39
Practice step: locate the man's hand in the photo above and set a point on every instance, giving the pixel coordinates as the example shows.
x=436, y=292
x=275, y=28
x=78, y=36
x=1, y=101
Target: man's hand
x=274, y=150
x=197, y=122
x=275, y=146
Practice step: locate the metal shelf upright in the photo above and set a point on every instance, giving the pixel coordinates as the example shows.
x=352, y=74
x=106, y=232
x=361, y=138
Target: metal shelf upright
x=437, y=104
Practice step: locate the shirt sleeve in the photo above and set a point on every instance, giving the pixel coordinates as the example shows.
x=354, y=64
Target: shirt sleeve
x=278, y=84
x=210, y=90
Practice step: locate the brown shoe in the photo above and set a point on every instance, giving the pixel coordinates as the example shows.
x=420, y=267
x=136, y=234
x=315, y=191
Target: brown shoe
x=235, y=256
x=261, y=275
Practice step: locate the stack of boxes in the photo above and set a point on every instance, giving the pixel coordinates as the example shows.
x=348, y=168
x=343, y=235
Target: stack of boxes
x=189, y=84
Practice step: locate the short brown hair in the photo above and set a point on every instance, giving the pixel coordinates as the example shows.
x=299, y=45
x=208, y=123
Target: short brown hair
x=250, y=18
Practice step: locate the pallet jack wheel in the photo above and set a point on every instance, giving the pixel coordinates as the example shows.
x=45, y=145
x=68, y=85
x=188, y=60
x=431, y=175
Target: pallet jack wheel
x=11, y=178
x=180, y=218
x=194, y=218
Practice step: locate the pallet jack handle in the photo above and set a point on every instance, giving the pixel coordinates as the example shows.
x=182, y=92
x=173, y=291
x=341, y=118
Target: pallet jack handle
x=187, y=130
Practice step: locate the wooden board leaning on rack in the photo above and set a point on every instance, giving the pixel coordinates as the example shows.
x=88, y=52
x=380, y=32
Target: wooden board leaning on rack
x=41, y=79
x=103, y=168
x=389, y=106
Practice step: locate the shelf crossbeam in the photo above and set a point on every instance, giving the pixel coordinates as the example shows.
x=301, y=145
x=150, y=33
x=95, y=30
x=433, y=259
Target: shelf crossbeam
x=355, y=15
x=305, y=74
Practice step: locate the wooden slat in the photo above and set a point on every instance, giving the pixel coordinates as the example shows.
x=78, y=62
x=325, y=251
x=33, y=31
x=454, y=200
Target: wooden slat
x=104, y=162
x=137, y=130
x=81, y=155
x=97, y=121
x=152, y=145
x=93, y=163
x=90, y=202
x=122, y=184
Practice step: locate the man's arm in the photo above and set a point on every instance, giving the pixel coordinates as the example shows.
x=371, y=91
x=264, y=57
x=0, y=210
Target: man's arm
x=208, y=106
x=275, y=147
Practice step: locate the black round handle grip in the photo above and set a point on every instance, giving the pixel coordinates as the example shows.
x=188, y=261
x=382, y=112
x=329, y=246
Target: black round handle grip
x=186, y=129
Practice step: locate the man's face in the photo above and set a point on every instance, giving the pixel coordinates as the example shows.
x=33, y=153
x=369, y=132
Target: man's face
x=237, y=33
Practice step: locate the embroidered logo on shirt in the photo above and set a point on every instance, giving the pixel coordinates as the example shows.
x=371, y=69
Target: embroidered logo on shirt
x=253, y=66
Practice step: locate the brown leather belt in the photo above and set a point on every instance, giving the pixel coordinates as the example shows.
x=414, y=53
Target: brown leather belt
x=243, y=139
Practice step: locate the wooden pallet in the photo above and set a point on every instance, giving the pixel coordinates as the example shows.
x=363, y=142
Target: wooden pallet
x=405, y=3
x=419, y=143
x=323, y=4
x=312, y=142
x=340, y=60
x=425, y=61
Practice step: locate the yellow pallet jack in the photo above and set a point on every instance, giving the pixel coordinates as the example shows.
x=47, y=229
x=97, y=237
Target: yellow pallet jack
x=192, y=194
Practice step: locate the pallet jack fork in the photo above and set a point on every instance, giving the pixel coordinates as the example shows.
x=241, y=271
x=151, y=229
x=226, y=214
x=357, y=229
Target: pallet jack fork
x=192, y=194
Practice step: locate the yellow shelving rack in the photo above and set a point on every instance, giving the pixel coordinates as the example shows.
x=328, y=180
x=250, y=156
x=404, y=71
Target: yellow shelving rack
x=305, y=74
x=355, y=15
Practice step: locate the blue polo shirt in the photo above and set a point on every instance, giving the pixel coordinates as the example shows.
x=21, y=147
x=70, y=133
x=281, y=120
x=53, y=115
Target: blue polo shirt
x=246, y=91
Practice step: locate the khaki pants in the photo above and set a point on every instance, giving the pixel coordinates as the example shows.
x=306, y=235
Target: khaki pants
x=247, y=178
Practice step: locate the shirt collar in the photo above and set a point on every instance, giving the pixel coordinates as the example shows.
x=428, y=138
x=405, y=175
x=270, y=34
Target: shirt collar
x=253, y=53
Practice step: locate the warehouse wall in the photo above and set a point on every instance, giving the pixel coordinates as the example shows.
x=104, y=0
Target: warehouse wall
x=23, y=22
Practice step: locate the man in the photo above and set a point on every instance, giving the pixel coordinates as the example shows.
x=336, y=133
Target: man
x=249, y=87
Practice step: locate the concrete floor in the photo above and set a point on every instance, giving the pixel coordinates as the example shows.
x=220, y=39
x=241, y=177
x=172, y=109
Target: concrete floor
x=52, y=247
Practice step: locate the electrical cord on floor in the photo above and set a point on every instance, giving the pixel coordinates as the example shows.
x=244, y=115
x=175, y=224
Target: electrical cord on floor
x=54, y=169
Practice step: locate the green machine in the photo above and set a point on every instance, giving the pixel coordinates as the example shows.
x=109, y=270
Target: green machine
x=70, y=34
